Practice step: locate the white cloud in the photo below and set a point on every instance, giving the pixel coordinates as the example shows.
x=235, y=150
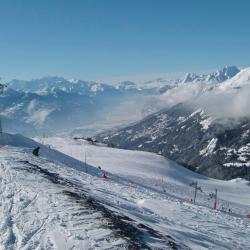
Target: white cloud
x=9, y=112
x=233, y=103
x=31, y=106
x=38, y=117
x=182, y=93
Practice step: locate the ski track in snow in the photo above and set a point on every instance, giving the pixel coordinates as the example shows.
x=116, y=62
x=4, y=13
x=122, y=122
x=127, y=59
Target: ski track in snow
x=38, y=216
x=43, y=203
x=143, y=197
x=43, y=215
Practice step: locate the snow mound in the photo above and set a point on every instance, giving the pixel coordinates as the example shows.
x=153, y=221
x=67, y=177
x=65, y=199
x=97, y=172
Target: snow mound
x=240, y=80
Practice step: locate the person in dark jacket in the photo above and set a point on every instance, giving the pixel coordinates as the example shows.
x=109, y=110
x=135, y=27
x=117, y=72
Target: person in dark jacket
x=36, y=151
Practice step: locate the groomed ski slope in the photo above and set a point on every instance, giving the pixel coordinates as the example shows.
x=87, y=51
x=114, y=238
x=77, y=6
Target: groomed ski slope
x=149, y=175
x=49, y=202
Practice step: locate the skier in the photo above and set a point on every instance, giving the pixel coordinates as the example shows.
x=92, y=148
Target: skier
x=36, y=151
x=104, y=176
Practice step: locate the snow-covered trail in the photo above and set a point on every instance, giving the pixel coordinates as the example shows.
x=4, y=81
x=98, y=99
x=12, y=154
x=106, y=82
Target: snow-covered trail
x=44, y=206
x=135, y=187
x=49, y=202
x=36, y=214
x=148, y=168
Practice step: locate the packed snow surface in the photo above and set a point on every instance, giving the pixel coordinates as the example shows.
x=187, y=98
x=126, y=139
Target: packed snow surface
x=56, y=201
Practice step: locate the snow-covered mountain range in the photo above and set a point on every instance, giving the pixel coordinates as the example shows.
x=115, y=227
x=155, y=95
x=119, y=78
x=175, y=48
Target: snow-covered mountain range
x=215, y=77
x=214, y=114
x=56, y=105
x=53, y=104
x=208, y=132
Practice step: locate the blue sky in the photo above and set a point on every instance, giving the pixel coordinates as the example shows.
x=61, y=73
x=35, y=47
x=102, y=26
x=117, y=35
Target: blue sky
x=112, y=38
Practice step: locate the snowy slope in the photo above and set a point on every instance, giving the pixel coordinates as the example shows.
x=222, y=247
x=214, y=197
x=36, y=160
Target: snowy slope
x=152, y=189
x=240, y=80
x=214, y=147
x=206, y=131
x=50, y=202
x=49, y=205
x=37, y=214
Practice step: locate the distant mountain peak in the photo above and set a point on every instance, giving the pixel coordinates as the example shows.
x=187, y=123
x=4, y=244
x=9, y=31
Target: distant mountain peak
x=218, y=76
x=190, y=77
x=238, y=81
x=226, y=73
x=73, y=80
